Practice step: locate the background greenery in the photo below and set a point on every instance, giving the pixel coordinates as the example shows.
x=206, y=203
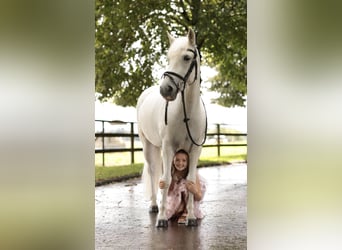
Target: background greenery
x=131, y=39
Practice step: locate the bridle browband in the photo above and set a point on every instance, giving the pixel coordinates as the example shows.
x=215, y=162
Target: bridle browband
x=184, y=79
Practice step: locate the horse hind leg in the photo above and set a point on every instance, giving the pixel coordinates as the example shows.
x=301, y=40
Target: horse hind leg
x=149, y=187
x=151, y=173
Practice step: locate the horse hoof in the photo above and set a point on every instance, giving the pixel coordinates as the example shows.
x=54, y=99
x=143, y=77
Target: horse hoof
x=154, y=209
x=161, y=223
x=191, y=222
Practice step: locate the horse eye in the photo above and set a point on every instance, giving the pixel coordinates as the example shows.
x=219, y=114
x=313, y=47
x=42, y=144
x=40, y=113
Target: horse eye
x=186, y=58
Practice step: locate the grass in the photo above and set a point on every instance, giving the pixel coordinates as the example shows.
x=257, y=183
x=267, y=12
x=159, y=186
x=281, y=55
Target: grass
x=109, y=173
x=120, y=166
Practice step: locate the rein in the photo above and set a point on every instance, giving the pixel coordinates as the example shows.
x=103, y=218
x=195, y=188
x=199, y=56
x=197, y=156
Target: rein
x=186, y=120
x=184, y=80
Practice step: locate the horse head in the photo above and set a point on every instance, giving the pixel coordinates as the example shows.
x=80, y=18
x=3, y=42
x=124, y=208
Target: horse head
x=183, y=65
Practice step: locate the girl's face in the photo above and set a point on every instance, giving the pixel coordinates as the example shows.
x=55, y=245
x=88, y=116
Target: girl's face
x=180, y=161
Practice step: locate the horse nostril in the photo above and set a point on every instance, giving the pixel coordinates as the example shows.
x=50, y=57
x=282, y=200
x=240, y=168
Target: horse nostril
x=169, y=89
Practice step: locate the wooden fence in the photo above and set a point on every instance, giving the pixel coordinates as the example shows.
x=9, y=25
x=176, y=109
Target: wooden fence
x=119, y=136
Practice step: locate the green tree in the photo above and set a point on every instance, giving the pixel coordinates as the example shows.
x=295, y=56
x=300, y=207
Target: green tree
x=131, y=39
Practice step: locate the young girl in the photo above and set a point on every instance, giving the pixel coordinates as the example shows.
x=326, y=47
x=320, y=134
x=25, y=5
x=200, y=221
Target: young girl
x=179, y=189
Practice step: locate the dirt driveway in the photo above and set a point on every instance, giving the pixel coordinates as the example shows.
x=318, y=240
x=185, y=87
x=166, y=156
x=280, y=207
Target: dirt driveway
x=122, y=220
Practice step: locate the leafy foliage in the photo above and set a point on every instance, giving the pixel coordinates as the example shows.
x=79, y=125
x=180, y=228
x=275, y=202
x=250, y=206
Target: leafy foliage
x=131, y=39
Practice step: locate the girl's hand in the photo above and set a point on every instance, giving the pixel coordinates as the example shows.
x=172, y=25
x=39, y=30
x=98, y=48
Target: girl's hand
x=191, y=187
x=162, y=184
x=195, y=189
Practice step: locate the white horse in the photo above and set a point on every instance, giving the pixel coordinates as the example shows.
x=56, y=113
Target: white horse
x=172, y=116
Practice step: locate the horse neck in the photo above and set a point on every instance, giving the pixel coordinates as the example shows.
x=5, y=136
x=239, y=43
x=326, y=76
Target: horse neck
x=192, y=92
x=192, y=96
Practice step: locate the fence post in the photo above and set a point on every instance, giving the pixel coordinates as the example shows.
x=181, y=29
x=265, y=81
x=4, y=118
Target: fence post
x=132, y=143
x=103, y=145
x=218, y=140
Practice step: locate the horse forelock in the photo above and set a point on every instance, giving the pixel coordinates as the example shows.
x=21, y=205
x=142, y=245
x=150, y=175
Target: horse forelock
x=179, y=45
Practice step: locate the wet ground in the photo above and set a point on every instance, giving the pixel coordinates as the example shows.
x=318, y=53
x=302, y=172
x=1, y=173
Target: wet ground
x=122, y=220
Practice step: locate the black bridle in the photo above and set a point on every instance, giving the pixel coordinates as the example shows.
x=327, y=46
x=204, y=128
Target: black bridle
x=184, y=79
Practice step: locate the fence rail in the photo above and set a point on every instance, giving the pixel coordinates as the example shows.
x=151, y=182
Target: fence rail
x=129, y=135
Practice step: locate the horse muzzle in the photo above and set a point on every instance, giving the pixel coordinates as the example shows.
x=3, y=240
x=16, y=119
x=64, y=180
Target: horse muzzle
x=168, y=91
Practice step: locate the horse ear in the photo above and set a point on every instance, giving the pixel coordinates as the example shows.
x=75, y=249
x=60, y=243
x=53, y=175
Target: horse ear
x=171, y=38
x=192, y=37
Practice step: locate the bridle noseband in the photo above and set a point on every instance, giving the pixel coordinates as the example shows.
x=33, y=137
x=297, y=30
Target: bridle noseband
x=184, y=79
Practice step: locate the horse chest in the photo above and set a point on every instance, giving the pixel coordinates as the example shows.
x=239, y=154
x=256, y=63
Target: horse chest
x=178, y=137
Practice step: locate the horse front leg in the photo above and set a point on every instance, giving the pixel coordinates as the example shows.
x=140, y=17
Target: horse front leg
x=191, y=219
x=167, y=154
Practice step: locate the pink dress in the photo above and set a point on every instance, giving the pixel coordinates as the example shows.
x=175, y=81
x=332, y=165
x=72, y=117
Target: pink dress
x=174, y=198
